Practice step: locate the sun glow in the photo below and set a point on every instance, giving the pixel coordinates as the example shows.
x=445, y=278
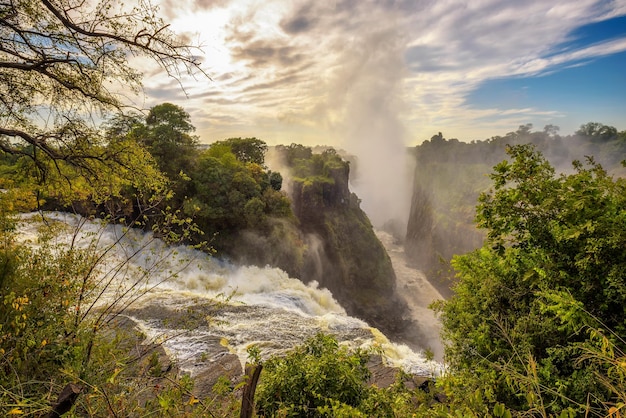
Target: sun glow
x=207, y=29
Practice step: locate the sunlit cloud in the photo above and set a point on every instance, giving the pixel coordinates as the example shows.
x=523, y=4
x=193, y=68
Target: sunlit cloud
x=320, y=72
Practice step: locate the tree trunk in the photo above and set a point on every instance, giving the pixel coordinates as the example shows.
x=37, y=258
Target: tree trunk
x=247, y=400
x=67, y=399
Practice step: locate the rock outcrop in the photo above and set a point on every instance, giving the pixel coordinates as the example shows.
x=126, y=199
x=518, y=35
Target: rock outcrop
x=350, y=261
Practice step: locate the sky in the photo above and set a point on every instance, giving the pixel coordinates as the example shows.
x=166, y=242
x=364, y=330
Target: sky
x=328, y=72
x=372, y=77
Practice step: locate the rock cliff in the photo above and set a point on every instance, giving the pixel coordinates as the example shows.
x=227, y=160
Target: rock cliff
x=350, y=261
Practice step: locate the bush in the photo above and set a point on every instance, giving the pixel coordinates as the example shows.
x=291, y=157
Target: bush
x=310, y=377
x=323, y=378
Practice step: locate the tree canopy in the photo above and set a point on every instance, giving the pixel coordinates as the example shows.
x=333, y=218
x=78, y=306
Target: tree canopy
x=166, y=134
x=550, y=276
x=597, y=130
x=247, y=150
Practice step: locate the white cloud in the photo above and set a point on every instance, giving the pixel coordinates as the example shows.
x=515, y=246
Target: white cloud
x=306, y=69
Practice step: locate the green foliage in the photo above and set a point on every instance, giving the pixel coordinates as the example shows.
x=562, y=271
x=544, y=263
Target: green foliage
x=276, y=180
x=450, y=175
x=43, y=293
x=246, y=150
x=122, y=180
x=166, y=134
x=59, y=304
x=225, y=189
x=13, y=199
x=312, y=378
x=323, y=378
x=597, y=131
x=317, y=167
x=309, y=376
x=308, y=167
x=553, y=265
x=294, y=152
x=229, y=195
x=123, y=126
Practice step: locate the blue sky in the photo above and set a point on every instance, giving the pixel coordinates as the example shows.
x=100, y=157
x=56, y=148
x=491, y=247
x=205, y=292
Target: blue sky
x=592, y=89
x=359, y=74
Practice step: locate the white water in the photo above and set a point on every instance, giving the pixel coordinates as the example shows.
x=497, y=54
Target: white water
x=418, y=293
x=196, y=305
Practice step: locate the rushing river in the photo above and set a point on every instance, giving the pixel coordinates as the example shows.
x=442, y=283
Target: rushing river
x=418, y=293
x=195, y=304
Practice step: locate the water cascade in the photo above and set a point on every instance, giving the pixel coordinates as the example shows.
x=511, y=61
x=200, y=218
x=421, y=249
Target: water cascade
x=198, y=306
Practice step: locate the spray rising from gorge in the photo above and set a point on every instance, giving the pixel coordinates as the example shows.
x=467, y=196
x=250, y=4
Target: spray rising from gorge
x=370, y=94
x=368, y=89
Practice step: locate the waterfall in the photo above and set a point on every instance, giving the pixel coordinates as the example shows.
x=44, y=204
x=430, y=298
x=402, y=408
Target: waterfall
x=413, y=286
x=197, y=305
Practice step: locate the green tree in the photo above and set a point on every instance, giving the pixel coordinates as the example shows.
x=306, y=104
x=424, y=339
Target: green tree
x=323, y=378
x=228, y=195
x=294, y=152
x=123, y=126
x=596, y=130
x=167, y=136
x=63, y=65
x=310, y=376
x=547, y=236
x=551, y=130
x=275, y=179
x=247, y=150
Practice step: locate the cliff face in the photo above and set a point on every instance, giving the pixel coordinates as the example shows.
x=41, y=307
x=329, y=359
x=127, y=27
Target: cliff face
x=327, y=239
x=348, y=259
x=418, y=243
x=441, y=221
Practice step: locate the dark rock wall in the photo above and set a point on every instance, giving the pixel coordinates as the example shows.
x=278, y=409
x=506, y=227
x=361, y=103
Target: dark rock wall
x=354, y=264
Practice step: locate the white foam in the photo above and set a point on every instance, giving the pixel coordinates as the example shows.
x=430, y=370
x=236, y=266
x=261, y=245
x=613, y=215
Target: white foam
x=268, y=307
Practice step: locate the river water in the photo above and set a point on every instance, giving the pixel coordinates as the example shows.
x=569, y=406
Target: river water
x=418, y=293
x=198, y=306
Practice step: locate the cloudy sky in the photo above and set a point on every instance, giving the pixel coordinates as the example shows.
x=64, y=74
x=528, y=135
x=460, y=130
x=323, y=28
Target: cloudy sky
x=335, y=71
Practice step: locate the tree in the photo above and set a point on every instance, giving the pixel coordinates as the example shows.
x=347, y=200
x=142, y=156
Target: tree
x=228, y=196
x=524, y=129
x=551, y=273
x=551, y=130
x=123, y=126
x=311, y=376
x=294, y=152
x=247, y=150
x=596, y=130
x=325, y=378
x=275, y=179
x=166, y=135
x=61, y=66
x=174, y=118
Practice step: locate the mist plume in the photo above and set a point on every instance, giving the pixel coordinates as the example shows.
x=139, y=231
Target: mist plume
x=368, y=90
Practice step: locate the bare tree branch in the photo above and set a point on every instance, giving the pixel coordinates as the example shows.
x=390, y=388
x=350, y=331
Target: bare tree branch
x=58, y=61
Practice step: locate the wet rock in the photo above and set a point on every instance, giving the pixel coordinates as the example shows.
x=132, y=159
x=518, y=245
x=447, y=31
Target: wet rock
x=384, y=376
x=225, y=365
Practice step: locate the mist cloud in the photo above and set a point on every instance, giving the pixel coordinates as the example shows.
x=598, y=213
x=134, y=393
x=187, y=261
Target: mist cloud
x=366, y=94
